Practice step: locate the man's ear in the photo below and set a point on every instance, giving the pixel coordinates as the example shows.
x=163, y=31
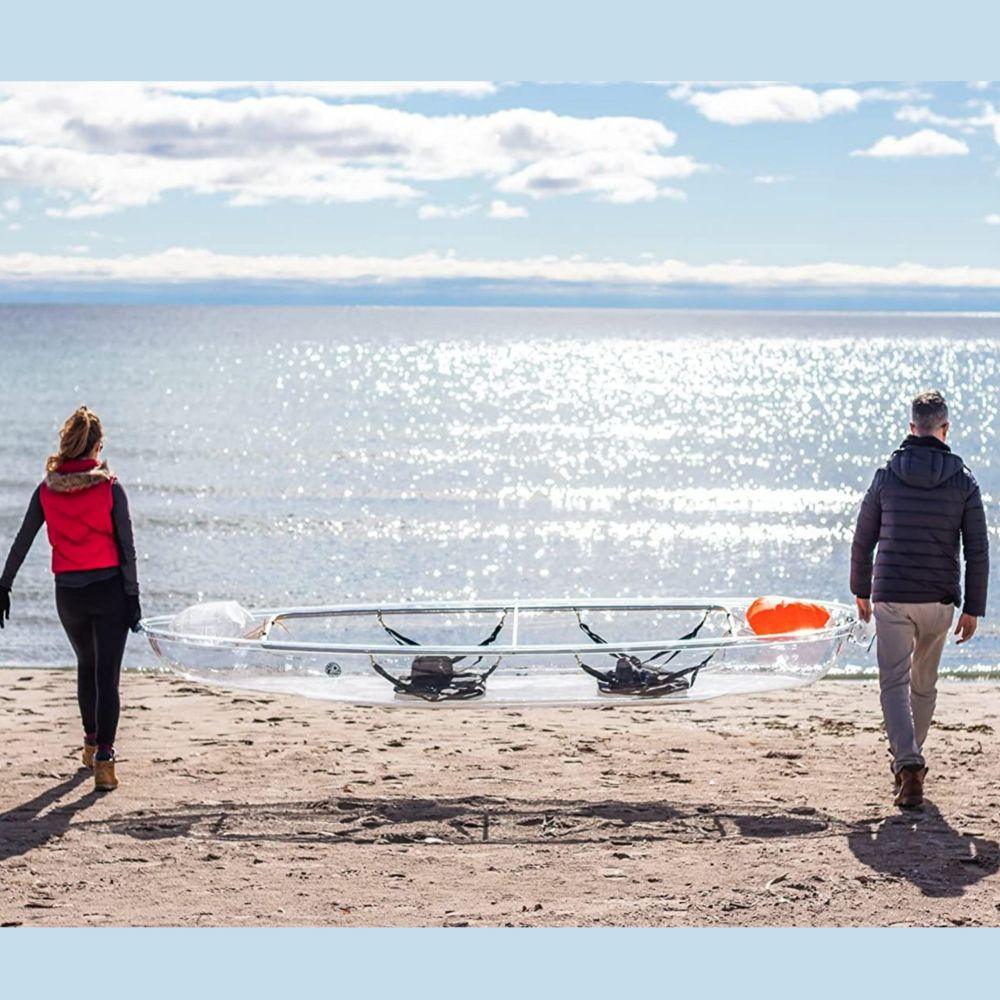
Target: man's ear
x=913, y=427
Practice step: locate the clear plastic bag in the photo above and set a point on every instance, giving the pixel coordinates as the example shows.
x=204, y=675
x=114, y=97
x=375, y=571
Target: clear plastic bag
x=215, y=619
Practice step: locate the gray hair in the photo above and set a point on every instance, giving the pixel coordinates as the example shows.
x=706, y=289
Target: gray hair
x=929, y=412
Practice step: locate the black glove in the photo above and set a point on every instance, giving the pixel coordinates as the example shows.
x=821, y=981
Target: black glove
x=134, y=611
x=4, y=605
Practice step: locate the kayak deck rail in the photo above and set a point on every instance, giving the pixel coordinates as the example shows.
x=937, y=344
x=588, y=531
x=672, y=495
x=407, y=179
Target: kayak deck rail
x=263, y=637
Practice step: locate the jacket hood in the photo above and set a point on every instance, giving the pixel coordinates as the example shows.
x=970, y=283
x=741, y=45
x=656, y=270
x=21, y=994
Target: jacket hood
x=925, y=462
x=81, y=474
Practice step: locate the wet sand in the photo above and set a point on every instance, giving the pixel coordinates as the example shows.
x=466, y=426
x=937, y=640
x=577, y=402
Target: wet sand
x=245, y=809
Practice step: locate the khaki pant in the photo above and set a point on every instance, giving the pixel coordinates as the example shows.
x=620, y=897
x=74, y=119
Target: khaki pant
x=910, y=638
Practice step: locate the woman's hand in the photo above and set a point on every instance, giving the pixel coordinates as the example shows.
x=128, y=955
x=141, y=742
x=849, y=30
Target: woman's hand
x=4, y=605
x=134, y=611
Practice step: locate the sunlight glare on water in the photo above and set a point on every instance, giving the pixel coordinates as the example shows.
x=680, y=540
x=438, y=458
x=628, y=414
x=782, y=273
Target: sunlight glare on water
x=297, y=456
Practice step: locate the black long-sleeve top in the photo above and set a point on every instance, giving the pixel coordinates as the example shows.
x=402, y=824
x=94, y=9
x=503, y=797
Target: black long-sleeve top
x=34, y=518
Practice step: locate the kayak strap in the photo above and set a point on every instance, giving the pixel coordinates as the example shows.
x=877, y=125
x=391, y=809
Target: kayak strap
x=405, y=640
x=434, y=678
x=596, y=637
x=630, y=676
x=644, y=678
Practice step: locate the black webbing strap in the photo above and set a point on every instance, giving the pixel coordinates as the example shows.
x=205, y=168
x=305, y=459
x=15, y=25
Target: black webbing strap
x=448, y=692
x=662, y=676
x=405, y=640
x=591, y=634
x=691, y=635
x=596, y=637
x=488, y=641
x=601, y=675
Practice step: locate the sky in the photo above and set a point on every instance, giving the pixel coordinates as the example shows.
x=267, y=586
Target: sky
x=771, y=195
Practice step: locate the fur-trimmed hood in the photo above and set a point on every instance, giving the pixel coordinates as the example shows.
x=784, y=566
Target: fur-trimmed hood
x=81, y=474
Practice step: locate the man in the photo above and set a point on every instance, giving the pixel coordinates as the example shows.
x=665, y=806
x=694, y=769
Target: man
x=916, y=510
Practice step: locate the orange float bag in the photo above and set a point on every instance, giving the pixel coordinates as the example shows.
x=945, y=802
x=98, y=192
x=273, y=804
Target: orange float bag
x=773, y=615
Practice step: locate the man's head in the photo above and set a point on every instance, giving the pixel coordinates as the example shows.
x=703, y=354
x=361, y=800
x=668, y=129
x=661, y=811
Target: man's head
x=929, y=415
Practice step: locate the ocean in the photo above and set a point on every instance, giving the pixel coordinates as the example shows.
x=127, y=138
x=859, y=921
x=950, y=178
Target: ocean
x=318, y=455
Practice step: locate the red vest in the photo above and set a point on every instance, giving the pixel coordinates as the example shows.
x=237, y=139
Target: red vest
x=78, y=518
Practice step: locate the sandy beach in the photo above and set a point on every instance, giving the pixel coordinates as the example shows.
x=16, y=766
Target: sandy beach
x=242, y=809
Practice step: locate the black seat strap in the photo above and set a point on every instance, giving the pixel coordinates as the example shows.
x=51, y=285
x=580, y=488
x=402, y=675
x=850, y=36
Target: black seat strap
x=405, y=640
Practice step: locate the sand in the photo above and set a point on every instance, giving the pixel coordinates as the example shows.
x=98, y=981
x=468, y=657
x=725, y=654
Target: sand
x=242, y=809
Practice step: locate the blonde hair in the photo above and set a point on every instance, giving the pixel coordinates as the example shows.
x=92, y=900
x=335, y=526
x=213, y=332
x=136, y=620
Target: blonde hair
x=79, y=436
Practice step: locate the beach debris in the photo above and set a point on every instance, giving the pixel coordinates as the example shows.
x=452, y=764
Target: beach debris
x=735, y=904
x=770, y=887
x=962, y=727
x=674, y=905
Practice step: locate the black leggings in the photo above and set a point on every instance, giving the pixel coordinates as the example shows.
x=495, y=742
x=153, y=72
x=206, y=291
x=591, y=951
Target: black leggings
x=95, y=618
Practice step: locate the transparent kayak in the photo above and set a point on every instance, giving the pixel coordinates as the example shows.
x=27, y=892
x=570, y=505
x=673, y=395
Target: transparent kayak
x=496, y=653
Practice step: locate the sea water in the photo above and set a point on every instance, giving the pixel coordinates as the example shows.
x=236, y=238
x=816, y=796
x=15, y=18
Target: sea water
x=321, y=455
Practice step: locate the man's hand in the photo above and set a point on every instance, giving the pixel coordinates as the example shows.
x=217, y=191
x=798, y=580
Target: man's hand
x=864, y=608
x=966, y=627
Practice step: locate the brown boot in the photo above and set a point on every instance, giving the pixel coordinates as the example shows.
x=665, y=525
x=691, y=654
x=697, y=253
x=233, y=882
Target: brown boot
x=89, y=753
x=104, y=776
x=911, y=787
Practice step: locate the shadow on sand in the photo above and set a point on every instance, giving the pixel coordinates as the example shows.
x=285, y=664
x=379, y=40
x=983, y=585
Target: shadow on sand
x=466, y=819
x=24, y=827
x=920, y=847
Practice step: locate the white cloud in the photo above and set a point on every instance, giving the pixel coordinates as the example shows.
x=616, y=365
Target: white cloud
x=769, y=103
x=446, y=211
x=926, y=142
x=195, y=265
x=88, y=184
x=773, y=178
x=986, y=117
x=618, y=177
x=993, y=219
x=100, y=148
x=500, y=209
x=349, y=89
x=895, y=95
x=15, y=226
x=10, y=206
x=748, y=103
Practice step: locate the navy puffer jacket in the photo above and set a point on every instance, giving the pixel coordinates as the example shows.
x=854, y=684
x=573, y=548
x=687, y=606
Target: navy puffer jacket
x=916, y=510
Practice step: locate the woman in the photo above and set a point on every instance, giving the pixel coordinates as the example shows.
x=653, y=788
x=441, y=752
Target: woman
x=85, y=512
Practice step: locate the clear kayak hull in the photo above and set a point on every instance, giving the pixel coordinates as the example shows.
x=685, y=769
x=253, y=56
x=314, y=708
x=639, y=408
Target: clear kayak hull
x=497, y=653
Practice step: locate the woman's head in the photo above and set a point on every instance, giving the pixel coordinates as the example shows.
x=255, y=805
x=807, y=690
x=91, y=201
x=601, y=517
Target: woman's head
x=81, y=437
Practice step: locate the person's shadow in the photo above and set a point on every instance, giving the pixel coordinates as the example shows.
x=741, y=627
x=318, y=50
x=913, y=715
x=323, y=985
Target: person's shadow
x=921, y=847
x=23, y=827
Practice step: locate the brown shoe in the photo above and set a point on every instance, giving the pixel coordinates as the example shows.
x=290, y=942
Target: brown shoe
x=104, y=776
x=89, y=753
x=911, y=787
